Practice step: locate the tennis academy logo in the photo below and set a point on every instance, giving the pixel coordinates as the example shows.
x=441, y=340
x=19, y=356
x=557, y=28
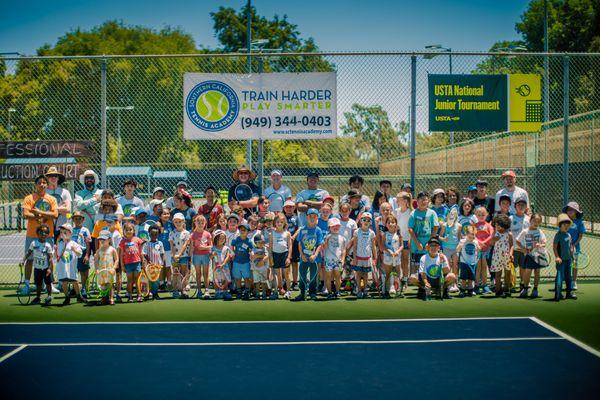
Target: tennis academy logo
x=212, y=106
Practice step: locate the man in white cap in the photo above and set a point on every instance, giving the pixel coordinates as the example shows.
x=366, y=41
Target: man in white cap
x=87, y=198
x=277, y=193
x=511, y=190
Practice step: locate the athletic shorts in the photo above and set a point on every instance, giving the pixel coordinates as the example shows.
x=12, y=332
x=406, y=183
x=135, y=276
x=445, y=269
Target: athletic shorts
x=39, y=277
x=530, y=263
x=279, y=260
x=81, y=266
x=201, y=259
x=133, y=267
x=466, y=272
x=406, y=245
x=362, y=266
x=484, y=255
x=260, y=274
x=389, y=260
x=241, y=271
x=333, y=265
x=519, y=259
x=183, y=261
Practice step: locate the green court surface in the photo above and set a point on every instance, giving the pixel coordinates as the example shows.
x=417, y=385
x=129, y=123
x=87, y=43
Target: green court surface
x=578, y=318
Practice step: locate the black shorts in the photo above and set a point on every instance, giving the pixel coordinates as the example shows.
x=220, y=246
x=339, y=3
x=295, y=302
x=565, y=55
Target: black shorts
x=295, y=252
x=39, y=277
x=519, y=259
x=530, y=263
x=466, y=271
x=279, y=260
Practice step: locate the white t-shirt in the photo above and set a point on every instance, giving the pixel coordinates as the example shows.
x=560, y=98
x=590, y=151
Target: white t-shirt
x=40, y=253
x=62, y=196
x=517, y=224
x=402, y=218
x=311, y=195
x=335, y=245
x=66, y=265
x=179, y=238
x=154, y=251
x=431, y=265
x=280, y=241
x=517, y=194
x=231, y=235
x=130, y=205
x=347, y=228
x=529, y=238
x=364, y=243
x=469, y=252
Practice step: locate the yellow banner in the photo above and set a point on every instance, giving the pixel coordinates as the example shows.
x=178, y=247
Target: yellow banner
x=525, y=99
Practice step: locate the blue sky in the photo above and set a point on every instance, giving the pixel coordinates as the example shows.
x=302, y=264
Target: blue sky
x=336, y=25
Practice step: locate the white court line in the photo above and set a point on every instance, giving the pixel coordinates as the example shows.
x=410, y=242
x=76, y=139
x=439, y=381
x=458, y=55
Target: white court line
x=316, y=342
x=267, y=322
x=12, y=353
x=566, y=336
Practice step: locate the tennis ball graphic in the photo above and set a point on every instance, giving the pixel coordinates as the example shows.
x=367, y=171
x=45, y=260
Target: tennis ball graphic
x=212, y=105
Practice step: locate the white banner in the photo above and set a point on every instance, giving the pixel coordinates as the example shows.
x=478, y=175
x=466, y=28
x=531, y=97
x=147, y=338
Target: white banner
x=260, y=106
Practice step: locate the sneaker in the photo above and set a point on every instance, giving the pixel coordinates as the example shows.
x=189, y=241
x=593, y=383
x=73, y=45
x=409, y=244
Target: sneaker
x=330, y=296
x=227, y=296
x=81, y=299
x=246, y=295
x=294, y=286
x=206, y=295
x=471, y=293
x=387, y=295
x=325, y=292
x=47, y=301
x=571, y=296
x=499, y=293
x=454, y=288
x=55, y=290
x=83, y=292
x=392, y=291
x=176, y=294
x=156, y=296
x=462, y=294
x=274, y=295
x=514, y=290
x=446, y=295
x=300, y=297
x=534, y=293
x=574, y=286
x=35, y=301
x=506, y=294
x=66, y=301
x=313, y=296
x=199, y=294
x=487, y=290
x=263, y=296
x=282, y=292
x=365, y=294
x=118, y=298
x=287, y=295
x=359, y=295
x=403, y=284
x=523, y=294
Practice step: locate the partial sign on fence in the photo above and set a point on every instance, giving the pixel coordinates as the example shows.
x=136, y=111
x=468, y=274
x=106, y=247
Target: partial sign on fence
x=260, y=106
x=46, y=148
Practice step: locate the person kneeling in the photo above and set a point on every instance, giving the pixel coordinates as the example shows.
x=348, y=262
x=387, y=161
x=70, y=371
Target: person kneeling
x=433, y=268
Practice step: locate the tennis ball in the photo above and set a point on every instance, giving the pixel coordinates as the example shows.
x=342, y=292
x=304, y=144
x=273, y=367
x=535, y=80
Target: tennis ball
x=212, y=105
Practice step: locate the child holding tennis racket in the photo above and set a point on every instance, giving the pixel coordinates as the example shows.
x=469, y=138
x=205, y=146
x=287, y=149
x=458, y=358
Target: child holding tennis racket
x=41, y=249
x=130, y=256
x=179, y=239
x=154, y=254
x=402, y=213
x=391, y=244
x=484, y=233
x=434, y=270
x=563, y=253
x=67, y=252
x=106, y=261
x=334, y=250
x=533, y=243
x=201, y=245
x=280, y=245
x=221, y=256
x=577, y=230
x=364, y=250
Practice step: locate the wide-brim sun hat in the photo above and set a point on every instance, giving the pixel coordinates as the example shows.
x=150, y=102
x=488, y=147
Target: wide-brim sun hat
x=235, y=174
x=87, y=173
x=53, y=171
x=575, y=206
x=563, y=218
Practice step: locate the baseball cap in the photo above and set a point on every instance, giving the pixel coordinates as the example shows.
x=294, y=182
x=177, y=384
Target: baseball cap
x=67, y=227
x=178, y=216
x=509, y=173
x=366, y=215
x=289, y=203
x=504, y=197
x=110, y=218
x=481, y=182
x=471, y=188
x=77, y=214
x=353, y=193
x=234, y=216
x=312, y=173
x=245, y=226
x=140, y=211
x=312, y=211
x=104, y=235
x=438, y=191
x=333, y=222
x=521, y=200
x=329, y=198
x=182, y=183
x=407, y=186
x=433, y=240
x=276, y=172
x=258, y=238
x=158, y=189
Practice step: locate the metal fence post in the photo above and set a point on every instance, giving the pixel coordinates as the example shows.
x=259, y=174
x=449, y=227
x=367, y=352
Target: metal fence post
x=565, y=176
x=103, y=139
x=413, y=120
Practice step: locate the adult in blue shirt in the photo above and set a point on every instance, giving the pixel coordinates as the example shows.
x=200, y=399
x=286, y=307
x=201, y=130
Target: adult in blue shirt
x=311, y=197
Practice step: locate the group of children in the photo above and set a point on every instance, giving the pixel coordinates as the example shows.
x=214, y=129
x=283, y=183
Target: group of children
x=451, y=247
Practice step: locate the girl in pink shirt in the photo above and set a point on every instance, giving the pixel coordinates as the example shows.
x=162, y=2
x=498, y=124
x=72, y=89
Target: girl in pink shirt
x=130, y=258
x=201, y=243
x=484, y=232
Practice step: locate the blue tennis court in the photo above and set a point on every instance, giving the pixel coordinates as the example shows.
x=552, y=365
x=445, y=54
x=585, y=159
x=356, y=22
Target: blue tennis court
x=451, y=358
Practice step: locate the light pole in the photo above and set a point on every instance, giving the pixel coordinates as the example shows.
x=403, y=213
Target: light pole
x=430, y=56
x=9, y=126
x=546, y=66
x=119, y=109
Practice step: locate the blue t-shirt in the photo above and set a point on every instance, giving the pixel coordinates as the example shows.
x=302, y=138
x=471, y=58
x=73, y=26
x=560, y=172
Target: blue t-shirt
x=311, y=195
x=242, y=249
x=422, y=223
x=323, y=224
x=82, y=236
x=441, y=212
x=577, y=229
x=164, y=235
x=466, y=220
x=310, y=239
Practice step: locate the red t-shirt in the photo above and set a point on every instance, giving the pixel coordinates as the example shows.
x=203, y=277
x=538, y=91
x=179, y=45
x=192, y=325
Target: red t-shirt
x=211, y=213
x=484, y=232
x=201, y=239
x=132, y=250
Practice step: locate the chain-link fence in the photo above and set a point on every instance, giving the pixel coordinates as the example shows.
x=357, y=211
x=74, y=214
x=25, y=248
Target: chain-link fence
x=60, y=98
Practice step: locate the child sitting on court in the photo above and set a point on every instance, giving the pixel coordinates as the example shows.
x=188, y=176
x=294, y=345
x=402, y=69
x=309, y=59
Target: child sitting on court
x=260, y=266
x=468, y=250
x=221, y=256
x=563, y=253
x=533, y=243
x=43, y=265
x=502, y=254
x=334, y=250
x=434, y=270
x=106, y=258
x=67, y=252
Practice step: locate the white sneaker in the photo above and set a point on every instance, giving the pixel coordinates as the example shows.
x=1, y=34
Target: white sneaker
x=453, y=288
x=206, y=294
x=55, y=290
x=392, y=291
x=325, y=292
x=287, y=295
x=574, y=286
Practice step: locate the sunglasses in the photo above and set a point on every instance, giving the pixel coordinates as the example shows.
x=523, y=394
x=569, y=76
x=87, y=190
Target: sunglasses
x=365, y=219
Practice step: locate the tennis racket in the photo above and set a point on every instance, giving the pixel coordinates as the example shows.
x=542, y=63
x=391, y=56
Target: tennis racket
x=220, y=277
x=91, y=286
x=441, y=285
x=23, y=292
x=243, y=192
x=143, y=284
x=580, y=261
x=276, y=202
x=104, y=280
